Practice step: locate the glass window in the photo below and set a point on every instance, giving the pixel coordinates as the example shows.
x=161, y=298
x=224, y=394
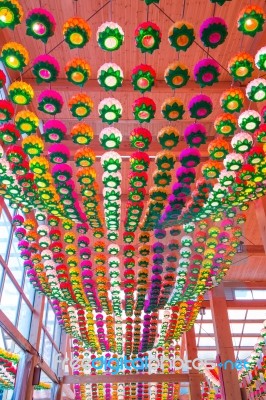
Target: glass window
x=207, y=328
x=24, y=321
x=236, y=328
x=57, y=334
x=236, y=341
x=207, y=341
x=54, y=363
x=5, y=229
x=28, y=290
x=1, y=276
x=15, y=263
x=252, y=328
x=207, y=355
x=41, y=341
x=259, y=294
x=50, y=320
x=207, y=315
x=243, y=294
x=236, y=314
x=243, y=354
x=47, y=350
x=256, y=314
x=10, y=300
x=249, y=341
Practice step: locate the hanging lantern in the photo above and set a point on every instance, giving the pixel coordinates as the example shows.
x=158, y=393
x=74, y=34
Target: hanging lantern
x=139, y=161
x=86, y=175
x=211, y=169
x=260, y=134
x=110, y=138
x=84, y=157
x=218, y=149
x=251, y=20
x=213, y=32
x=20, y=93
x=2, y=78
x=232, y=100
x=110, y=36
x=140, y=138
x=11, y=14
x=61, y=172
x=40, y=24
x=225, y=124
x=148, y=37
x=181, y=35
x=241, y=66
x=260, y=59
x=50, y=102
x=112, y=180
x=172, y=109
x=165, y=160
x=15, y=154
x=186, y=175
x=6, y=110
x=58, y=153
x=78, y=71
x=54, y=131
x=138, y=180
x=81, y=134
x=255, y=155
x=200, y=106
x=233, y=161
x=195, y=135
x=111, y=161
x=143, y=77
x=45, y=68
x=110, y=110
x=249, y=120
x=32, y=145
x=189, y=157
x=9, y=134
x=206, y=72
x=110, y=76
x=144, y=109
x=256, y=90
x=242, y=142
x=77, y=32
x=39, y=165
x=168, y=137
x=176, y=75
x=80, y=105
x=15, y=56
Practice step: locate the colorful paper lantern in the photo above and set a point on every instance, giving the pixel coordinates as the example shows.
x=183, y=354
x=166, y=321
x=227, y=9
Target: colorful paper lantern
x=256, y=90
x=168, y=137
x=58, y=153
x=80, y=105
x=206, y=72
x=110, y=36
x=139, y=161
x=213, y=32
x=144, y=109
x=32, y=145
x=211, y=169
x=251, y=20
x=233, y=162
x=110, y=76
x=54, y=131
x=78, y=71
x=20, y=93
x=110, y=138
x=241, y=66
x=232, y=100
x=40, y=24
x=84, y=157
x=82, y=134
x=110, y=110
x=195, y=135
x=189, y=157
x=138, y=180
x=77, y=32
x=242, y=142
x=172, y=109
x=143, y=77
x=218, y=149
x=181, y=35
x=165, y=160
x=148, y=37
x=6, y=110
x=39, y=165
x=111, y=161
x=200, y=106
x=176, y=75
x=2, y=79
x=140, y=138
x=260, y=59
x=45, y=68
x=15, y=56
x=11, y=14
x=225, y=124
x=249, y=120
x=50, y=102
x=260, y=134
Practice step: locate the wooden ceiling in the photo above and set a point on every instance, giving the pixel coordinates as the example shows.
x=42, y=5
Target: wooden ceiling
x=129, y=14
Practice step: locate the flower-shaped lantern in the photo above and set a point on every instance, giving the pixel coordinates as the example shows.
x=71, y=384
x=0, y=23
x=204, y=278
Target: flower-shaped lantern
x=148, y=37
x=110, y=110
x=110, y=76
x=181, y=35
x=40, y=24
x=11, y=14
x=110, y=36
x=77, y=32
x=213, y=32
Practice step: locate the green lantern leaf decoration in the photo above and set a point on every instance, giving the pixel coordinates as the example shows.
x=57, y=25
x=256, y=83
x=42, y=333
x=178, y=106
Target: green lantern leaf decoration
x=110, y=138
x=110, y=110
x=20, y=93
x=181, y=35
x=26, y=121
x=172, y=109
x=143, y=77
x=211, y=169
x=45, y=68
x=249, y=120
x=232, y=100
x=15, y=56
x=241, y=66
x=165, y=160
x=256, y=90
x=218, y=149
x=140, y=138
x=50, y=102
x=40, y=24
x=225, y=124
x=168, y=137
x=110, y=36
x=77, y=32
x=144, y=109
x=251, y=20
x=110, y=76
x=206, y=72
x=260, y=59
x=78, y=71
x=11, y=14
x=80, y=106
x=162, y=178
x=112, y=180
x=176, y=75
x=213, y=32
x=148, y=37
x=111, y=161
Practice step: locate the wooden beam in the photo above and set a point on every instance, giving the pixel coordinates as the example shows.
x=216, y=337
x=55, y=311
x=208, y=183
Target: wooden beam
x=260, y=208
x=133, y=378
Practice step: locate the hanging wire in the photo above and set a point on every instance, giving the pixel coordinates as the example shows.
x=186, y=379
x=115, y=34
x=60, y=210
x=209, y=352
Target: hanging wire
x=183, y=9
